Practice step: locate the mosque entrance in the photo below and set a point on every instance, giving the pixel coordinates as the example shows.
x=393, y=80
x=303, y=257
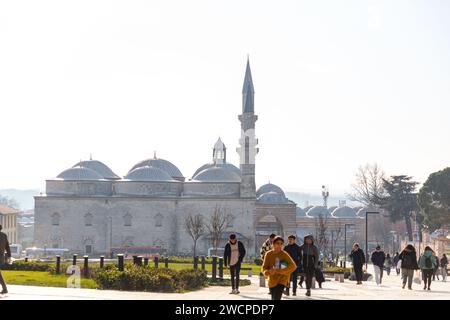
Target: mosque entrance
x=265, y=226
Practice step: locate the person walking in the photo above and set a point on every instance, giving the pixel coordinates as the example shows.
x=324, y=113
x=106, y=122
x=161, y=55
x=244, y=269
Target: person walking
x=388, y=264
x=358, y=261
x=396, y=260
x=378, y=257
x=444, y=264
x=436, y=267
x=233, y=255
x=310, y=261
x=293, y=249
x=267, y=245
x=4, y=258
x=277, y=268
x=409, y=263
x=427, y=264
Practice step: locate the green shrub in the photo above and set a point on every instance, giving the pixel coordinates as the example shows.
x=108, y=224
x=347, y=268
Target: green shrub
x=29, y=266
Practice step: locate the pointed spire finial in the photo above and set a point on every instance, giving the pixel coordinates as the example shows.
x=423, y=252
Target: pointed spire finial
x=90, y=156
x=154, y=154
x=248, y=90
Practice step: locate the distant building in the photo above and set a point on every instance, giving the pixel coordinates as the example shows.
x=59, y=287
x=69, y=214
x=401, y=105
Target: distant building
x=8, y=220
x=25, y=224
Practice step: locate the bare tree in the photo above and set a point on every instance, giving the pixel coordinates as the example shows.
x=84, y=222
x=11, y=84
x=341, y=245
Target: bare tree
x=10, y=202
x=321, y=231
x=195, y=227
x=368, y=188
x=217, y=224
x=335, y=237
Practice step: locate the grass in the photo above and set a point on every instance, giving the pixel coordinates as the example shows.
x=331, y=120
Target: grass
x=43, y=279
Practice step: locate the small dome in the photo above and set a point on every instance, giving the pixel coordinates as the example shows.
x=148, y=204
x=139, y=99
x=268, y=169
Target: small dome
x=269, y=187
x=272, y=197
x=219, y=144
x=79, y=173
x=147, y=173
x=162, y=164
x=99, y=167
x=316, y=211
x=226, y=165
x=217, y=174
x=343, y=212
x=300, y=213
x=331, y=209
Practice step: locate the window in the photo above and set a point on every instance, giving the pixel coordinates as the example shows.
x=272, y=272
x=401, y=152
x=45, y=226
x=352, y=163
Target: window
x=55, y=219
x=127, y=220
x=158, y=220
x=88, y=220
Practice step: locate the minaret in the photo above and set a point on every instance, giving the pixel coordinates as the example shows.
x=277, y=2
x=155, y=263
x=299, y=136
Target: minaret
x=247, y=150
x=219, y=152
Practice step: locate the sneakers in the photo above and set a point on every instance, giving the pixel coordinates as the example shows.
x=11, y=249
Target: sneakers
x=4, y=291
x=237, y=291
x=294, y=293
x=403, y=286
x=308, y=293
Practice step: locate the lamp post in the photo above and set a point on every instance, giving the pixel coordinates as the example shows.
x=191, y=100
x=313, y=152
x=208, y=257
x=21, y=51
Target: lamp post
x=367, y=231
x=393, y=241
x=345, y=242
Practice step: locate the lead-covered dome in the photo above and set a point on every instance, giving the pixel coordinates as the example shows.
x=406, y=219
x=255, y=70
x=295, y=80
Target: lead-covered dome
x=79, y=173
x=343, y=212
x=272, y=197
x=217, y=174
x=99, y=167
x=148, y=173
x=269, y=187
x=161, y=164
x=226, y=165
x=317, y=211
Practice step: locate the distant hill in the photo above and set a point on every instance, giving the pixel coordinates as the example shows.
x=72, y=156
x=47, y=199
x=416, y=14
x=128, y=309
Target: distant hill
x=304, y=199
x=23, y=197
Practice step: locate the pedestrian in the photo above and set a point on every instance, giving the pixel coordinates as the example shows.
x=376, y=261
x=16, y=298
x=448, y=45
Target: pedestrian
x=293, y=249
x=427, y=264
x=358, y=261
x=4, y=259
x=388, y=264
x=378, y=257
x=233, y=255
x=319, y=274
x=408, y=265
x=444, y=264
x=277, y=268
x=436, y=267
x=267, y=245
x=310, y=261
x=395, y=260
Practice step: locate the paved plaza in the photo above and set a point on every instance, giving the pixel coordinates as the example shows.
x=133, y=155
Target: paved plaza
x=390, y=290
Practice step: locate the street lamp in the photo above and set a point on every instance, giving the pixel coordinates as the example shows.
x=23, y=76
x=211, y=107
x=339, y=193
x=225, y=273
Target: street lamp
x=367, y=239
x=345, y=242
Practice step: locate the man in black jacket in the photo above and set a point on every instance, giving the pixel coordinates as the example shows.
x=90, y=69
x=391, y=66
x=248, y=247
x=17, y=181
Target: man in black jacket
x=310, y=261
x=294, y=251
x=4, y=246
x=233, y=255
x=377, y=259
x=358, y=260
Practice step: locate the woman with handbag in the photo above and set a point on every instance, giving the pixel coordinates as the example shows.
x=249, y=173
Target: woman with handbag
x=409, y=264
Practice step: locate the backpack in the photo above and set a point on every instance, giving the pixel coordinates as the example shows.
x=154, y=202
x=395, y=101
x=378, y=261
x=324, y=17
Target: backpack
x=428, y=263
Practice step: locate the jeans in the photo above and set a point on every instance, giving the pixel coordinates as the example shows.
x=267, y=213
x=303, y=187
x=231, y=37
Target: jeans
x=408, y=274
x=294, y=276
x=309, y=275
x=378, y=274
x=2, y=281
x=277, y=292
x=444, y=273
x=426, y=277
x=358, y=272
x=234, y=272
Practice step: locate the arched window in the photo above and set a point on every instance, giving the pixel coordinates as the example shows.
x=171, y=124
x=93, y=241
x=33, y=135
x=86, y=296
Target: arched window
x=55, y=219
x=127, y=220
x=88, y=219
x=158, y=220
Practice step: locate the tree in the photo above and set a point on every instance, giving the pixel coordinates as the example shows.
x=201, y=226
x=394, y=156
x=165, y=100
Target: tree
x=368, y=188
x=10, y=202
x=434, y=199
x=195, y=227
x=400, y=200
x=336, y=235
x=217, y=224
x=321, y=231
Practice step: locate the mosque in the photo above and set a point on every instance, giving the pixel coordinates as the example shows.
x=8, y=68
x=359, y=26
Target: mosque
x=89, y=209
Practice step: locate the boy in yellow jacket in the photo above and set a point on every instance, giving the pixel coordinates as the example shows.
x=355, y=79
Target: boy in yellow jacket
x=277, y=268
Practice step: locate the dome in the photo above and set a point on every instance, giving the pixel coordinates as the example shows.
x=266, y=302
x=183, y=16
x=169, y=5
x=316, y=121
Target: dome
x=300, y=213
x=98, y=167
x=226, y=165
x=272, y=197
x=331, y=209
x=343, y=212
x=148, y=173
x=315, y=211
x=268, y=188
x=361, y=213
x=79, y=173
x=161, y=164
x=217, y=174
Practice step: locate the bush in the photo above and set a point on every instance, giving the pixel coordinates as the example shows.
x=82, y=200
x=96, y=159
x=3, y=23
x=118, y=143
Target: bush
x=29, y=266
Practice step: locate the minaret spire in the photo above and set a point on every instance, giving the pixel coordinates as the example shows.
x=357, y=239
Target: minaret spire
x=248, y=91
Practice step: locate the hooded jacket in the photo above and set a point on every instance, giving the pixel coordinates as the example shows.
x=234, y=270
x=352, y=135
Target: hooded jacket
x=309, y=254
x=428, y=254
x=409, y=258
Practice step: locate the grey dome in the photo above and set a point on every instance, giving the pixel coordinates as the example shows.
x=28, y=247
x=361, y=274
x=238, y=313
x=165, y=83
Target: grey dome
x=162, y=164
x=269, y=187
x=217, y=174
x=343, y=212
x=147, y=173
x=300, y=213
x=272, y=197
x=79, y=173
x=316, y=211
x=226, y=165
x=98, y=167
x=331, y=209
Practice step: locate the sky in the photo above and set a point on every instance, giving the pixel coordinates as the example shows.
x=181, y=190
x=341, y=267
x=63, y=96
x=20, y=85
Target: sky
x=338, y=84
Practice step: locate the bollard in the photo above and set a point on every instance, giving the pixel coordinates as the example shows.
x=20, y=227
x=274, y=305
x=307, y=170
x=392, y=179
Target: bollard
x=195, y=263
x=58, y=264
x=146, y=261
x=156, y=260
x=336, y=276
x=214, y=268
x=166, y=263
x=341, y=264
x=203, y=263
x=135, y=259
x=221, y=268
x=102, y=262
x=86, y=266
x=250, y=272
x=74, y=259
x=262, y=280
x=120, y=261
x=341, y=277
x=26, y=259
x=139, y=260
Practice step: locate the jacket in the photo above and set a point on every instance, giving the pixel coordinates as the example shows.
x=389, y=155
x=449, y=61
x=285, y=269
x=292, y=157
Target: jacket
x=409, y=260
x=422, y=260
x=227, y=253
x=295, y=252
x=281, y=276
x=309, y=254
x=358, y=257
x=4, y=247
x=267, y=246
x=378, y=258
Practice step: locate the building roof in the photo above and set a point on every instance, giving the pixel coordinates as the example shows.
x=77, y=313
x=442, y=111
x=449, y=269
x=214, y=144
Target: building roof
x=226, y=165
x=148, y=173
x=79, y=173
x=99, y=167
x=269, y=187
x=4, y=209
x=343, y=212
x=217, y=174
x=272, y=197
x=162, y=164
x=316, y=211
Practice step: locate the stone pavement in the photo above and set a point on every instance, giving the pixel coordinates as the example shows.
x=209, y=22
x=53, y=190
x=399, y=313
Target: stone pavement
x=334, y=290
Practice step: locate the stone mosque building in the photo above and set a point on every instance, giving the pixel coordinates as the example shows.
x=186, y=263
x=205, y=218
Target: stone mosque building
x=89, y=209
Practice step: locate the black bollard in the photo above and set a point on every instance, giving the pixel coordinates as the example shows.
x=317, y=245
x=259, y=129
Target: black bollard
x=139, y=260
x=145, y=261
x=214, y=268
x=26, y=259
x=166, y=263
x=156, y=260
x=120, y=261
x=74, y=259
x=203, y=263
x=134, y=259
x=195, y=263
x=221, y=268
x=102, y=262
x=86, y=266
x=58, y=265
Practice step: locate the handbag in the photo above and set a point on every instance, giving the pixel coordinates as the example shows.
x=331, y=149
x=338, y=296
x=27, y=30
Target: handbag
x=417, y=278
x=399, y=264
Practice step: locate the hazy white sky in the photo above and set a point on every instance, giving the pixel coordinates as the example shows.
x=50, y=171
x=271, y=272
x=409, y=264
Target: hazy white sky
x=338, y=84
